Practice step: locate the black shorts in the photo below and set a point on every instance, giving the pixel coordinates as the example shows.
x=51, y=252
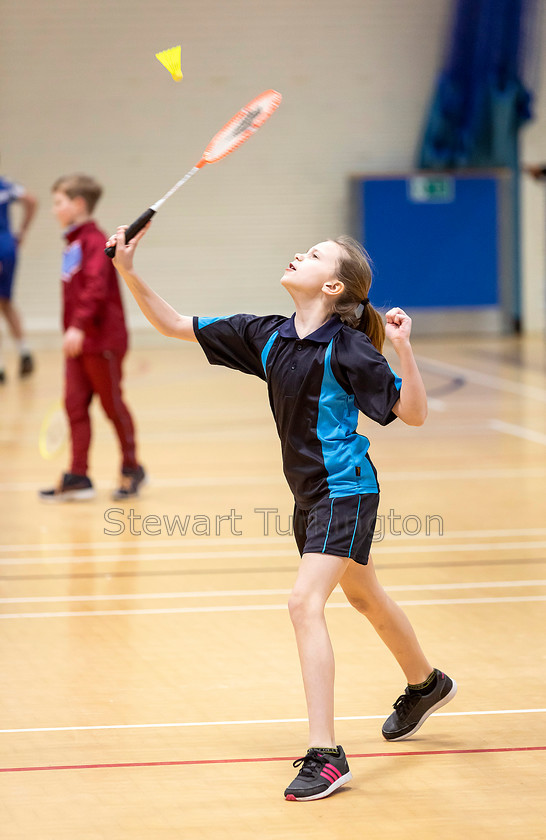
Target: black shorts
x=343, y=527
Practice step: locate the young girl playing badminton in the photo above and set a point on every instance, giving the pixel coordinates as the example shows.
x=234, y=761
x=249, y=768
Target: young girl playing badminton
x=322, y=366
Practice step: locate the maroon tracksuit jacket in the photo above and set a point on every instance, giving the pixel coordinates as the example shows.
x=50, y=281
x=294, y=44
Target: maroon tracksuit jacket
x=91, y=297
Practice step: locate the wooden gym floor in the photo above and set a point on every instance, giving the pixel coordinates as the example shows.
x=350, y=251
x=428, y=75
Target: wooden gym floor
x=150, y=681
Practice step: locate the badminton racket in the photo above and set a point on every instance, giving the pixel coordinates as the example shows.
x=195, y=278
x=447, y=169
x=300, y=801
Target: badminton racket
x=230, y=137
x=53, y=434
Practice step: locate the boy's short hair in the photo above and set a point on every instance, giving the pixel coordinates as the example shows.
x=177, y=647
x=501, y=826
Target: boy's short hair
x=79, y=185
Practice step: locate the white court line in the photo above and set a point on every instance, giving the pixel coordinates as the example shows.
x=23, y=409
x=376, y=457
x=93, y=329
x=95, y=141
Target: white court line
x=496, y=382
x=131, y=545
x=254, y=722
x=289, y=552
x=235, y=542
x=228, y=433
x=197, y=481
x=135, y=558
x=498, y=532
x=518, y=431
x=278, y=478
x=268, y=607
x=478, y=473
x=228, y=593
x=248, y=593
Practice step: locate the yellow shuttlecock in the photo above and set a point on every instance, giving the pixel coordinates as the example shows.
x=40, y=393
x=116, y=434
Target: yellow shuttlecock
x=171, y=60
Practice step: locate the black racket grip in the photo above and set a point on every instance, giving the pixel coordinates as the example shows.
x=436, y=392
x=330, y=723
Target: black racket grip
x=132, y=230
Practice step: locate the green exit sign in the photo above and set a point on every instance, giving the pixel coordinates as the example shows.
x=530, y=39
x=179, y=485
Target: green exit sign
x=436, y=189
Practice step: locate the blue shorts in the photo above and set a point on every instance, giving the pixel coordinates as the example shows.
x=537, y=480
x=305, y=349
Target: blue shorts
x=343, y=527
x=8, y=260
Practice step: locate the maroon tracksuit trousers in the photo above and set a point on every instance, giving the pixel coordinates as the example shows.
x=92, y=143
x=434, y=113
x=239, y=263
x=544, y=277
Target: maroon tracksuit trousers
x=97, y=373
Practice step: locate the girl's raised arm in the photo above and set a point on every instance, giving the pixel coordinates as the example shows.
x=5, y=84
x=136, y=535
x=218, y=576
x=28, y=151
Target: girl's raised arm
x=411, y=408
x=159, y=313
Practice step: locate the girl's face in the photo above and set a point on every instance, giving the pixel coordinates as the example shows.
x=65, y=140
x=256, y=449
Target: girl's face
x=308, y=273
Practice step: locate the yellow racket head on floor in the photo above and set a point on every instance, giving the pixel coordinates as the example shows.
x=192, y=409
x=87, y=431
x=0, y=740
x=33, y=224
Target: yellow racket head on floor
x=171, y=60
x=53, y=435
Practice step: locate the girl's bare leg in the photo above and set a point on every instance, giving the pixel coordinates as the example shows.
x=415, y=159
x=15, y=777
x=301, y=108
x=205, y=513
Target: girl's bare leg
x=366, y=594
x=317, y=577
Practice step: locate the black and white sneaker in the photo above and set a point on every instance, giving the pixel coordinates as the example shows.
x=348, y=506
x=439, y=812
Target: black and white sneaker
x=413, y=708
x=131, y=482
x=71, y=488
x=26, y=364
x=320, y=774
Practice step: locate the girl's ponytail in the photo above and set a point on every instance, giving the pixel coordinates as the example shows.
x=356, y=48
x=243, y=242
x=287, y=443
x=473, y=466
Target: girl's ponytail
x=372, y=324
x=353, y=306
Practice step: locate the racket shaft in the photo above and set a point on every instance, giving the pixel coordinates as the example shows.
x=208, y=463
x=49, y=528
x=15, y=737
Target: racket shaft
x=176, y=187
x=132, y=230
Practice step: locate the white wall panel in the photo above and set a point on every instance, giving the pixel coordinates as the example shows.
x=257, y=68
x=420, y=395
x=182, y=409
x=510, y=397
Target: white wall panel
x=80, y=89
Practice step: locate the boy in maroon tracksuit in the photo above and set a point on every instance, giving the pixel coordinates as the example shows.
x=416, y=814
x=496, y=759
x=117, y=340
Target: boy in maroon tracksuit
x=94, y=343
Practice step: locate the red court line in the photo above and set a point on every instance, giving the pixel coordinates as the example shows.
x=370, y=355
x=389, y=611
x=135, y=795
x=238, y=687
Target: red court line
x=258, y=760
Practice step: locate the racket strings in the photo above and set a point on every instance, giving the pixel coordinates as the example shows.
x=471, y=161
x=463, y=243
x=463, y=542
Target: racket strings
x=242, y=126
x=54, y=433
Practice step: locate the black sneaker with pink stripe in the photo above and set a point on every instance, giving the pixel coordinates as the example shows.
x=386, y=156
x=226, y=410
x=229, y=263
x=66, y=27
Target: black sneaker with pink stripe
x=320, y=775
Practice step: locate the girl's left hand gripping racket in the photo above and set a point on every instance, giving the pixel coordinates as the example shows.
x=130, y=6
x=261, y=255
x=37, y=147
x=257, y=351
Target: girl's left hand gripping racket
x=230, y=137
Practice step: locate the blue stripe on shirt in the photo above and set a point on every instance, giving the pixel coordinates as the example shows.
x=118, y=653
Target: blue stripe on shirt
x=267, y=348
x=204, y=322
x=343, y=449
x=397, y=379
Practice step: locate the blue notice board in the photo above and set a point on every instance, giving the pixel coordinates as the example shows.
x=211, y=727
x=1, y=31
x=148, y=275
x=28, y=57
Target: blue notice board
x=433, y=239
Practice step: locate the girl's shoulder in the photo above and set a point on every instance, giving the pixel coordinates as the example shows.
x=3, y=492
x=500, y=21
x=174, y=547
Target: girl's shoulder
x=354, y=343
x=354, y=354
x=256, y=325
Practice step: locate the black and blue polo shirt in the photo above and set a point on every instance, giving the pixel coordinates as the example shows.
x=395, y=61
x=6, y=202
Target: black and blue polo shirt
x=317, y=385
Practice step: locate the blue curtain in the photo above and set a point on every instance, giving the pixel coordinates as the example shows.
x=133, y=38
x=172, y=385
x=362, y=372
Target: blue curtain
x=483, y=96
x=484, y=92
